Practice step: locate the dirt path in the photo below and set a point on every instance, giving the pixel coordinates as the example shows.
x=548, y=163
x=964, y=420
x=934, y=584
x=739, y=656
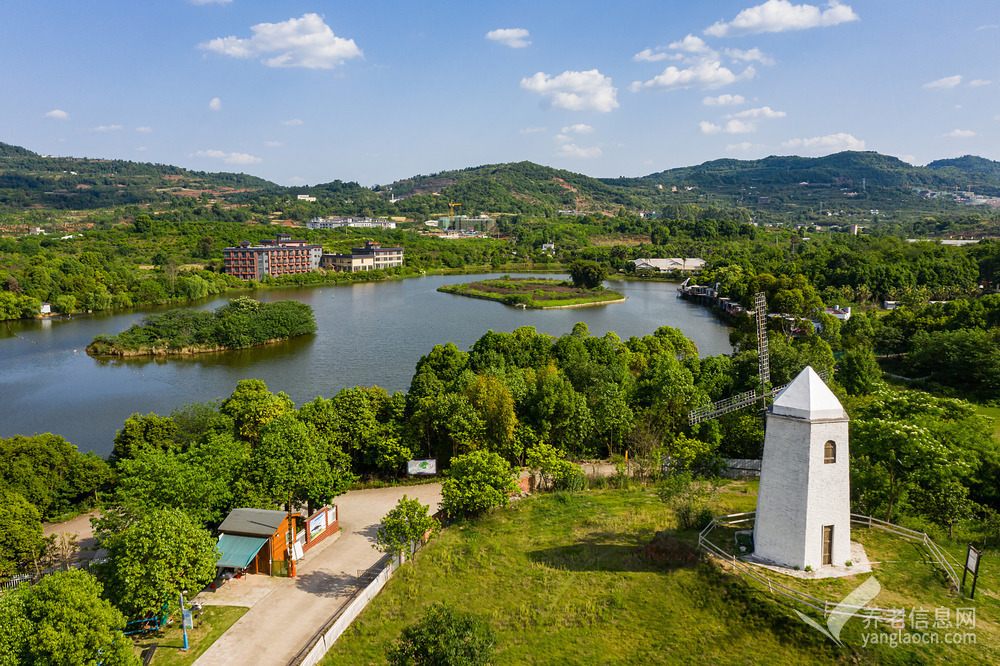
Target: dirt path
x=80, y=528
x=287, y=612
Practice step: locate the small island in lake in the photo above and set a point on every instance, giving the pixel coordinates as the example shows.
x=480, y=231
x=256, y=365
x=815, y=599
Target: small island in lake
x=534, y=292
x=241, y=323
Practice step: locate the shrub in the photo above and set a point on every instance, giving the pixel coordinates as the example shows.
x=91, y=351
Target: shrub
x=478, y=481
x=444, y=636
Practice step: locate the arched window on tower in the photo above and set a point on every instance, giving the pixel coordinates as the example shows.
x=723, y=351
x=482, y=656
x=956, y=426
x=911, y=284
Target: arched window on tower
x=830, y=452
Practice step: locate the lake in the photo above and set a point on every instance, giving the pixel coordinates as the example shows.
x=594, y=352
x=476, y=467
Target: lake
x=368, y=334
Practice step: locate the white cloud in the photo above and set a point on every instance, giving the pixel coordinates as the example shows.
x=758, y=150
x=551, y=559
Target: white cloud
x=229, y=158
x=781, y=15
x=294, y=122
x=723, y=100
x=751, y=55
x=762, y=112
x=579, y=128
x=946, y=82
x=106, y=128
x=302, y=42
x=828, y=143
x=575, y=91
x=145, y=129
x=732, y=127
x=655, y=55
x=991, y=26
x=570, y=149
x=515, y=38
x=215, y=104
x=691, y=44
x=960, y=134
x=532, y=130
x=707, y=74
x=273, y=144
x=976, y=83
x=743, y=146
x=57, y=114
x=141, y=149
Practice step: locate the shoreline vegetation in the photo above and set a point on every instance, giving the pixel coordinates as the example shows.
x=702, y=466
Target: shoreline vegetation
x=240, y=324
x=536, y=293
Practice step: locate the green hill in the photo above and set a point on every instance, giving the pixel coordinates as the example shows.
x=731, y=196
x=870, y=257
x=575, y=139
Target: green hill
x=855, y=181
x=29, y=179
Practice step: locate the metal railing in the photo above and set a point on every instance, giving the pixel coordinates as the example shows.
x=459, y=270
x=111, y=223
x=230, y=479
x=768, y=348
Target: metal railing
x=826, y=607
x=12, y=582
x=367, y=579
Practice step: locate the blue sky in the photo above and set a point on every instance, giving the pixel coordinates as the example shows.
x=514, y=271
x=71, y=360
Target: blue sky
x=309, y=92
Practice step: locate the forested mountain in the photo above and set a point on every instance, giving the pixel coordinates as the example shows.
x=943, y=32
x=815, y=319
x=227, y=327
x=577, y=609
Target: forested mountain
x=774, y=185
x=29, y=179
x=857, y=170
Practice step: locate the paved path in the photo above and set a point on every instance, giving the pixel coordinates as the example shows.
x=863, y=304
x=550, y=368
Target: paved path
x=289, y=611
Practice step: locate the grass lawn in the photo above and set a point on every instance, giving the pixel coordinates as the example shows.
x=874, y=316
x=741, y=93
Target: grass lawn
x=565, y=578
x=208, y=626
x=993, y=413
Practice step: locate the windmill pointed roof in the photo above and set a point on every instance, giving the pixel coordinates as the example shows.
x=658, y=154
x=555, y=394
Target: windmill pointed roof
x=808, y=397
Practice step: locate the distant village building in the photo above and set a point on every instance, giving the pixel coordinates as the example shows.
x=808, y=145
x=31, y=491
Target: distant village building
x=280, y=256
x=549, y=248
x=370, y=257
x=305, y=197
x=356, y=222
x=843, y=314
x=669, y=264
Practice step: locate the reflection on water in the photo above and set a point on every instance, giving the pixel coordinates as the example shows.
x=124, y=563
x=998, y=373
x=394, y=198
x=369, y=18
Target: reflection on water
x=368, y=334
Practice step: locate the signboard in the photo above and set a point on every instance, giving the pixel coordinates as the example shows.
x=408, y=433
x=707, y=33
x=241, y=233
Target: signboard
x=317, y=524
x=972, y=559
x=421, y=467
x=971, y=567
x=188, y=619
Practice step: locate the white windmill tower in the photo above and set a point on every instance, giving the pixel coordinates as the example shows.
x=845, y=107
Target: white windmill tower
x=804, y=504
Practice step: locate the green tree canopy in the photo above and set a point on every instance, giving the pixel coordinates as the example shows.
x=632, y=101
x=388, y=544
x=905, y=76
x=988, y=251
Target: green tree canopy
x=477, y=481
x=155, y=558
x=406, y=523
x=62, y=620
x=21, y=540
x=587, y=274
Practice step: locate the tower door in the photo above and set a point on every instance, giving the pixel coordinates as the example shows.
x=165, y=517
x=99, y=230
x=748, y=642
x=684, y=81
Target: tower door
x=828, y=544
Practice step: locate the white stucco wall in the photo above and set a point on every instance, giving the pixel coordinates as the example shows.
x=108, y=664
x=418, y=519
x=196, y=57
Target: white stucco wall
x=799, y=493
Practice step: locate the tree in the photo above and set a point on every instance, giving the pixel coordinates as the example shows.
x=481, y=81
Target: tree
x=408, y=522
x=139, y=433
x=252, y=406
x=290, y=464
x=477, y=482
x=587, y=274
x=62, y=620
x=50, y=472
x=161, y=554
x=859, y=372
x=444, y=636
x=21, y=540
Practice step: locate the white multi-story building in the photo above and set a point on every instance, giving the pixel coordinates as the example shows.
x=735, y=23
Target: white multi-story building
x=370, y=257
x=356, y=222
